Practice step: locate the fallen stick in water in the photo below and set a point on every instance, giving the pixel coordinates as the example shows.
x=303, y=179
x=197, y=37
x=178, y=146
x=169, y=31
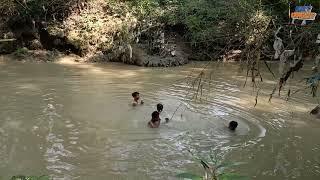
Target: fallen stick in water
x=6, y=40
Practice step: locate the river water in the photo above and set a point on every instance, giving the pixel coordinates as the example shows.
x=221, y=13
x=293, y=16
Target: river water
x=74, y=121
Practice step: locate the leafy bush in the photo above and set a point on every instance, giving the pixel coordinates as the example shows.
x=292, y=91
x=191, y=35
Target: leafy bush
x=21, y=52
x=209, y=26
x=39, y=9
x=21, y=177
x=214, y=169
x=7, y=7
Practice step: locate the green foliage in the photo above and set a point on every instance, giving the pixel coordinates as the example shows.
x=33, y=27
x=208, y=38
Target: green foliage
x=231, y=176
x=314, y=3
x=147, y=10
x=189, y=176
x=211, y=24
x=204, y=19
x=214, y=169
x=7, y=7
x=21, y=52
x=21, y=177
x=38, y=9
x=145, y=7
x=224, y=165
x=313, y=80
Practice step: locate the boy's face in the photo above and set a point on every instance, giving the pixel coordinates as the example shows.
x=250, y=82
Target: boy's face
x=137, y=97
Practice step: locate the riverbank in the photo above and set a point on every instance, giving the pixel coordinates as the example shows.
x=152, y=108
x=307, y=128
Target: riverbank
x=150, y=33
x=96, y=31
x=139, y=58
x=143, y=33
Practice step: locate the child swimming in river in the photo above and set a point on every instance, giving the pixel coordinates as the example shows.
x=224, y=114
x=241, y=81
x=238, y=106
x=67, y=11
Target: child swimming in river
x=233, y=125
x=155, y=120
x=136, y=99
x=160, y=109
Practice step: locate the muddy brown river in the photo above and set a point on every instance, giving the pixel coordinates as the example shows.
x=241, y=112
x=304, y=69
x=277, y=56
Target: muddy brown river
x=74, y=121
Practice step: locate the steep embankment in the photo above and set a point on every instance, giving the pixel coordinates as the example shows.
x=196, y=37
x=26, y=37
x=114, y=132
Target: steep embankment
x=155, y=32
x=96, y=30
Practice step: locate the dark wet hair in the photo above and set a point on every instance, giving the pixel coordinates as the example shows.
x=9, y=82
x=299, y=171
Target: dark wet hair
x=233, y=125
x=154, y=116
x=135, y=94
x=159, y=107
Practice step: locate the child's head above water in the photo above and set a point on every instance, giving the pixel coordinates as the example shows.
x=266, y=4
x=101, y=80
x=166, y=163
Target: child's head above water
x=155, y=116
x=159, y=107
x=136, y=96
x=233, y=125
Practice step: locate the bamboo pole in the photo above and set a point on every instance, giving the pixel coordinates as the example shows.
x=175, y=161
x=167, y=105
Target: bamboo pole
x=6, y=40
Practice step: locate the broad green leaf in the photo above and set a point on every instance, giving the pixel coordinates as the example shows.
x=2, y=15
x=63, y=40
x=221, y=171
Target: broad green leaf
x=189, y=176
x=19, y=177
x=44, y=178
x=231, y=176
x=32, y=178
x=229, y=164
